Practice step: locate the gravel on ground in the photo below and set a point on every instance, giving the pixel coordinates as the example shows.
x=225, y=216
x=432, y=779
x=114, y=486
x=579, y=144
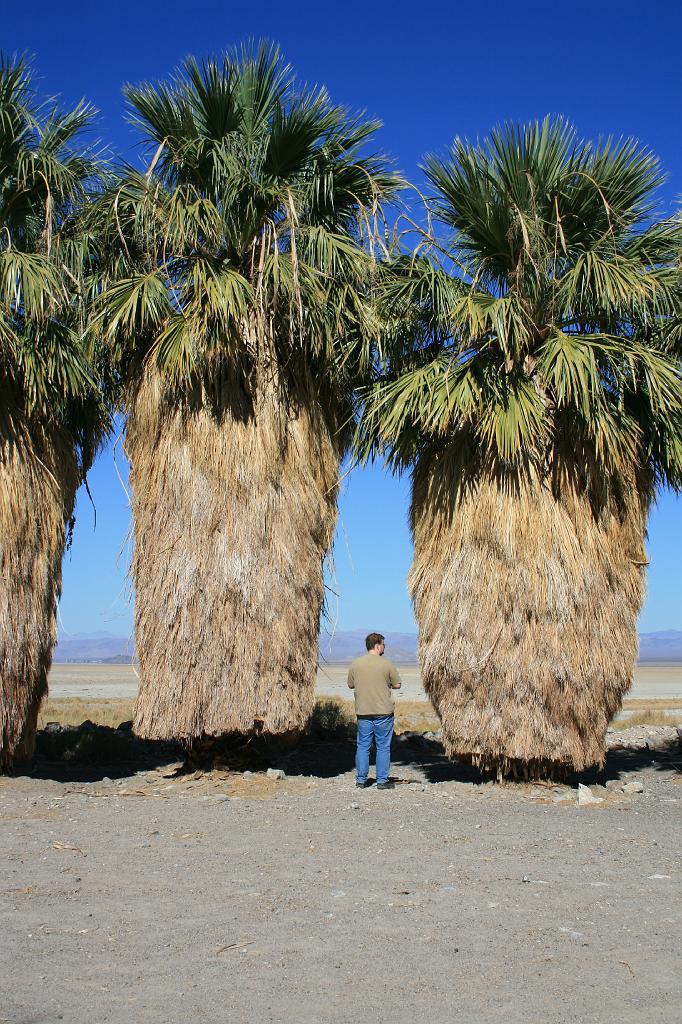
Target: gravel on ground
x=142, y=892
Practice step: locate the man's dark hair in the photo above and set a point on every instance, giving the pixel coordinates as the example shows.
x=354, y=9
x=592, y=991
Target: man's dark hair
x=372, y=640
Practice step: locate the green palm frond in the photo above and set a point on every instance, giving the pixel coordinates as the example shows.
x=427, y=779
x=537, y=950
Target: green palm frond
x=136, y=306
x=551, y=311
x=256, y=213
x=173, y=349
x=445, y=397
x=30, y=285
x=48, y=371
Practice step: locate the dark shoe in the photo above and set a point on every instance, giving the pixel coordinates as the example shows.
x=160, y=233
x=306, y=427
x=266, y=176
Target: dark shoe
x=385, y=785
x=361, y=785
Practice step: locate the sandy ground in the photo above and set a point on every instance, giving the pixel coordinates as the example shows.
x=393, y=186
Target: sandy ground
x=120, y=681
x=134, y=894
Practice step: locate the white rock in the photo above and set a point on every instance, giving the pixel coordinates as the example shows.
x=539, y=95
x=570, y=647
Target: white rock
x=570, y=931
x=276, y=773
x=586, y=796
x=633, y=787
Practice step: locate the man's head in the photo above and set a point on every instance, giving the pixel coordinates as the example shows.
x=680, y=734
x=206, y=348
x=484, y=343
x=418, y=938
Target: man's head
x=375, y=643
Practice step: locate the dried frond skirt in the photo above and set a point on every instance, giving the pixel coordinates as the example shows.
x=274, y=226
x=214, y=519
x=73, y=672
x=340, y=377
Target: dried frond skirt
x=38, y=480
x=233, y=518
x=527, y=608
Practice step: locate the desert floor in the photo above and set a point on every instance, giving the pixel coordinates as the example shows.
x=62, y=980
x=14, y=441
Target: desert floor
x=135, y=891
x=120, y=681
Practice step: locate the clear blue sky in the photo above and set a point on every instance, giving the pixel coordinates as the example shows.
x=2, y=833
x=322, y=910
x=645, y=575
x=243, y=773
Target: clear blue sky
x=429, y=72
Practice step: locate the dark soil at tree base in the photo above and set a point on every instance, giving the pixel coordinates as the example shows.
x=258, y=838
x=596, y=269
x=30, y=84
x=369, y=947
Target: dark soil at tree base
x=151, y=893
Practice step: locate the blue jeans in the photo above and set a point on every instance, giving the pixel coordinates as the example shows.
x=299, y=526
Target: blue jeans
x=380, y=729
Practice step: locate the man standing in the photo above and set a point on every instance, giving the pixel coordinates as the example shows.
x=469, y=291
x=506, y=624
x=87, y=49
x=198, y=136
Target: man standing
x=372, y=677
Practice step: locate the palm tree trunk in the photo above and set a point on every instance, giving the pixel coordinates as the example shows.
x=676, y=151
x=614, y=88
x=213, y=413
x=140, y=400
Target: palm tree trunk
x=527, y=607
x=233, y=517
x=38, y=481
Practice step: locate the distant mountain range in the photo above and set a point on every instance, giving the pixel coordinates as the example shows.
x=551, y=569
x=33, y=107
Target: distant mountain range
x=663, y=646
x=400, y=647
x=339, y=647
x=99, y=646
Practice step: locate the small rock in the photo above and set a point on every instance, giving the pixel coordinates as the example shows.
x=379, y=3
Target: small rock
x=526, y=878
x=586, y=796
x=276, y=773
x=106, y=779
x=614, y=786
x=354, y=806
x=247, y=773
x=633, y=787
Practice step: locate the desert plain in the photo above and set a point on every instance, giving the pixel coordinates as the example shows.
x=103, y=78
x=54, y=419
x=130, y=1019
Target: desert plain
x=268, y=889
x=652, y=681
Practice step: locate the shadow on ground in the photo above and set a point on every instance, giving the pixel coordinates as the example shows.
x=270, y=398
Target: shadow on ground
x=326, y=758
x=663, y=757
x=89, y=753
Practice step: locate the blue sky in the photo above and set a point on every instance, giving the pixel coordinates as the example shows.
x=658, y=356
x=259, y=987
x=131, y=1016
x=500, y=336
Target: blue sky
x=429, y=73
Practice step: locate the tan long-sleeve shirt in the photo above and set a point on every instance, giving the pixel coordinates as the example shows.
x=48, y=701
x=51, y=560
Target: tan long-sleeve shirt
x=372, y=678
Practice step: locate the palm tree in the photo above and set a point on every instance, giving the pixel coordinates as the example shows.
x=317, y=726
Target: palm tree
x=535, y=392
x=236, y=308
x=51, y=414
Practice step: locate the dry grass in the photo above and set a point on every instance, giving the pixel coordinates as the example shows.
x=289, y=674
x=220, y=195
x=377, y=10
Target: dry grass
x=234, y=513
x=653, y=716
x=38, y=480
x=330, y=715
x=527, y=607
x=75, y=710
x=415, y=716
x=652, y=704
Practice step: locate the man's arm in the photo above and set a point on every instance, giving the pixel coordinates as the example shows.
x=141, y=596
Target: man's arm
x=394, y=678
x=351, y=679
